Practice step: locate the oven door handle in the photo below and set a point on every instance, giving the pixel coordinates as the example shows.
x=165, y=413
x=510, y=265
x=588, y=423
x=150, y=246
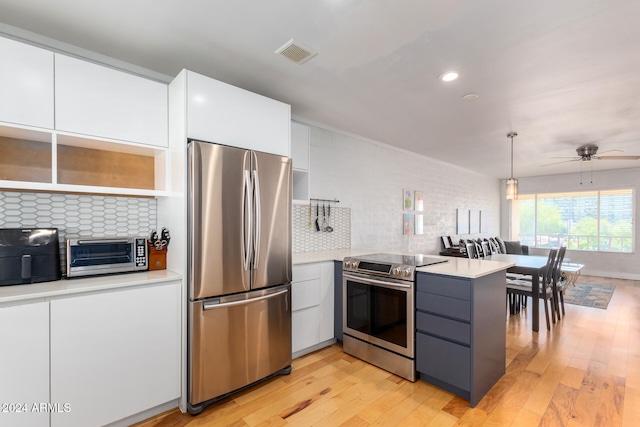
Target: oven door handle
x=370, y=281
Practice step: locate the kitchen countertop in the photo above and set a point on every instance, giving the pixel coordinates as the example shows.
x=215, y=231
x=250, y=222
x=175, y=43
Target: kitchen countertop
x=333, y=255
x=460, y=267
x=465, y=267
x=16, y=293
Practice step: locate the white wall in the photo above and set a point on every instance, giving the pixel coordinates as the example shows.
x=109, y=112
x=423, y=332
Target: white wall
x=618, y=265
x=368, y=177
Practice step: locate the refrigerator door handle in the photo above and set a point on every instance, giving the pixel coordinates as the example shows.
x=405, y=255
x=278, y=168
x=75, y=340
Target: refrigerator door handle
x=247, y=215
x=210, y=306
x=257, y=220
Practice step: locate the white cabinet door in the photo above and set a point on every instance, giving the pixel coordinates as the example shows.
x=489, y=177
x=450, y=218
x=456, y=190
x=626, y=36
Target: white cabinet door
x=115, y=354
x=24, y=364
x=313, y=305
x=99, y=101
x=305, y=328
x=225, y=114
x=26, y=84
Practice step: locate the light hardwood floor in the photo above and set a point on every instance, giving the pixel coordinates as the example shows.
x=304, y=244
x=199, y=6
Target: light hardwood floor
x=585, y=372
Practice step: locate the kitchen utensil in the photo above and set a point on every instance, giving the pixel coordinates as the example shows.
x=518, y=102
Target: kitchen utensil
x=329, y=228
x=153, y=238
x=310, y=217
x=324, y=217
x=164, y=239
x=317, y=217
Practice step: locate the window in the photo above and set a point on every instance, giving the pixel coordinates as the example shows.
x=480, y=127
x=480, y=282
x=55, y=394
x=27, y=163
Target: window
x=587, y=220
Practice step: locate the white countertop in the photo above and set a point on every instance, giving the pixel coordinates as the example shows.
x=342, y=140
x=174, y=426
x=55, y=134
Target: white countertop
x=465, y=267
x=10, y=294
x=333, y=255
x=455, y=266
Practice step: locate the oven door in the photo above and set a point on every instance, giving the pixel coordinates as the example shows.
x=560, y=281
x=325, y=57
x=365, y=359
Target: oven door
x=379, y=311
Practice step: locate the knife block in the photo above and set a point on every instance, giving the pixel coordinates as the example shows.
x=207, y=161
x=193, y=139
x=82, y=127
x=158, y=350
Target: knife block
x=157, y=258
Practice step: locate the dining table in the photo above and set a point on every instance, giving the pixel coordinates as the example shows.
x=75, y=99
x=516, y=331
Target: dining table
x=530, y=265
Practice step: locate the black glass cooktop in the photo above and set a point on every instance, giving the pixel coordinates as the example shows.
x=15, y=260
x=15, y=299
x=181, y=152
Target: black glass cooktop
x=412, y=260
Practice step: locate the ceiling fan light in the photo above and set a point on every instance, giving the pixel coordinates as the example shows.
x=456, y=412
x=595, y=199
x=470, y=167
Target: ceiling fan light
x=512, y=189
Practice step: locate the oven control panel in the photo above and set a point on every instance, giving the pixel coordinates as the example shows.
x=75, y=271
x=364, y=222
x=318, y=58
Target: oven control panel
x=403, y=272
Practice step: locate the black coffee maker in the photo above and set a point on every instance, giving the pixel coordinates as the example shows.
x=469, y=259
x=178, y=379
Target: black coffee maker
x=29, y=255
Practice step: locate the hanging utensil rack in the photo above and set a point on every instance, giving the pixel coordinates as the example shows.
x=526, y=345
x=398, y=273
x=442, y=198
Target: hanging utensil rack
x=325, y=200
x=316, y=224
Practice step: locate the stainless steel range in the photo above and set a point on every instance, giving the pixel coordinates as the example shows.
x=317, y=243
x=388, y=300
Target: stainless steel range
x=379, y=309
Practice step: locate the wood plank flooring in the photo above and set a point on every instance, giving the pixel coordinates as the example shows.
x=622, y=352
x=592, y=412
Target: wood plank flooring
x=584, y=372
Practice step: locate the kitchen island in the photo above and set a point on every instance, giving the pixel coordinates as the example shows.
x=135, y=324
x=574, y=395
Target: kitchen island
x=460, y=326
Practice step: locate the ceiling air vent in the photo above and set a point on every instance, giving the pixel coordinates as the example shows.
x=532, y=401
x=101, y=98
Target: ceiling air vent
x=296, y=52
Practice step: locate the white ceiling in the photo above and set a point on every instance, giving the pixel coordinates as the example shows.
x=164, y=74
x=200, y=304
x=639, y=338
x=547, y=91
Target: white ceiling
x=560, y=73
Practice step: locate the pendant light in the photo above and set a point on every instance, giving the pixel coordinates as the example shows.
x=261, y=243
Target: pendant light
x=512, y=183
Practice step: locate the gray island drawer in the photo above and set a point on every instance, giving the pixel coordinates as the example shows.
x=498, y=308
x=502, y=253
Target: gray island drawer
x=444, y=361
x=445, y=286
x=444, y=306
x=444, y=328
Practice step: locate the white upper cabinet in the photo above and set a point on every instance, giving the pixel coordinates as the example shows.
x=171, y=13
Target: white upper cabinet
x=300, y=146
x=26, y=84
x=95, y=100
x=225, y=114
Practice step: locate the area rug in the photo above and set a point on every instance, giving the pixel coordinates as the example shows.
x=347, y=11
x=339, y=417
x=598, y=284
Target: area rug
x=589, y=295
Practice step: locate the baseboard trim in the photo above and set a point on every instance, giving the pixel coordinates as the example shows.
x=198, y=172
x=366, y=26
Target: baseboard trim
x=141, y=416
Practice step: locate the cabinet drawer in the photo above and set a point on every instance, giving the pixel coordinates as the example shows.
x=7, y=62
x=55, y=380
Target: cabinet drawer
x=304, y=272
x=305, y=294
x=305, y=328
x=444, y=361
x=446, y=328
x=445, y=306
x=446, y=286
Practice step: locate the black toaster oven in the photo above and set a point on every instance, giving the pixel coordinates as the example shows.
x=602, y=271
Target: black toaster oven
x=29, y=255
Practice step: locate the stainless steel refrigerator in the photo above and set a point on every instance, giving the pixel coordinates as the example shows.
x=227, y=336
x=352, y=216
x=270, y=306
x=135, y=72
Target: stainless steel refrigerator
x=239, y=308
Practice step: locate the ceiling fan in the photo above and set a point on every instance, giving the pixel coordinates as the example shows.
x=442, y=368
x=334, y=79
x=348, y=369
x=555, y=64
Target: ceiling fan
x=587, y=152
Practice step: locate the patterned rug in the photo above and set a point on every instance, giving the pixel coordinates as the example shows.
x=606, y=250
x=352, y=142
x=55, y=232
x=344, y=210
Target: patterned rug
x=589, y=295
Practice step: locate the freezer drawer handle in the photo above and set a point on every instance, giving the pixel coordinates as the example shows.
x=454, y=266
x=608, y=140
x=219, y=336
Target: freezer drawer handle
x=210, y=306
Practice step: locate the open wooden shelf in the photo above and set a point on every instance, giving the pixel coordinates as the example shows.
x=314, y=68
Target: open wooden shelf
x=25, y=160
x=54, y=161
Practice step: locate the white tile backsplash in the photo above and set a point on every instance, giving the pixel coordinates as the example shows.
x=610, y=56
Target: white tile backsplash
x=305, y=238
x=78, y=215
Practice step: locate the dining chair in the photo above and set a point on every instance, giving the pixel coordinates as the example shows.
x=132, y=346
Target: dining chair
x=471, y=250
x=559, y=282
x=486, y=251
x=523, y=288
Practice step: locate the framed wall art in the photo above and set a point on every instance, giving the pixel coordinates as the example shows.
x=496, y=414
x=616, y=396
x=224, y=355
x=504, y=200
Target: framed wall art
x=474, y=221
x=407, y=199
x=462, y=221
x=407, y=224
x=418, y=201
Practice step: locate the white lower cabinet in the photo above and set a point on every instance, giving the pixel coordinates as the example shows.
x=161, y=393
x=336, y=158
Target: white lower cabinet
x=24, y=365
x=114, y=354
x=312, y=306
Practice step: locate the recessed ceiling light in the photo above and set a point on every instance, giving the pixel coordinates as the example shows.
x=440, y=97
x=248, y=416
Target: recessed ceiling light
x=449, y=76
x=470, y=97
